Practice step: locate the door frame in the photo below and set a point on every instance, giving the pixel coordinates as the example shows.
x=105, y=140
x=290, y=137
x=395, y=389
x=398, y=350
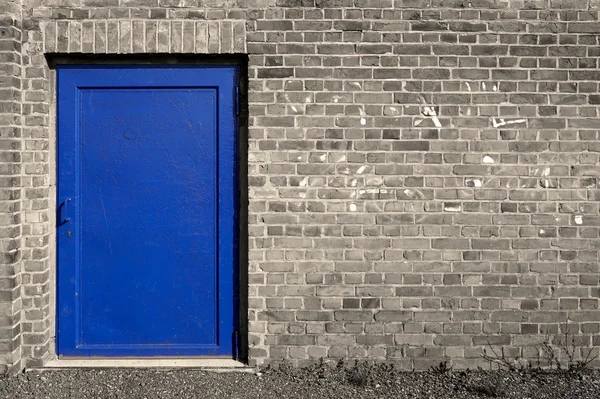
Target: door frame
x=240, y=341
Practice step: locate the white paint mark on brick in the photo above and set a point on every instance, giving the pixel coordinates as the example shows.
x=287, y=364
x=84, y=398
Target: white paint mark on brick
x=430, y=111
x=323, y=157
x=468, y=86
x=495, y=88
x=452, y=207
x=473, y=182
x=579, y=219
x=418, y=122
x=501, y=122
x=299, y=158
x=484, y=86
x=488, y=159
x=353, y=182
x=413, y=194
x=303, y=182
x=336, y=99
x=498, y=123
x=546, y=171
x=363, y=121
x=546, y=183
x=357, y=84
x=361, y=170
x=352, y=208
x=307, y=99
x=542, y=231
x=287, y=98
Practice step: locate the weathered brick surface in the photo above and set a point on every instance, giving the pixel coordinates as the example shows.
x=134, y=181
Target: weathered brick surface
x=420, y=171
x=423, y=174
x=10, y=185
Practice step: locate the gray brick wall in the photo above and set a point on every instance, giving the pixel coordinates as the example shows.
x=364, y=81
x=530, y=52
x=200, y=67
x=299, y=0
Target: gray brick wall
x=423, y=174
x=424, y=178
x=10, y=185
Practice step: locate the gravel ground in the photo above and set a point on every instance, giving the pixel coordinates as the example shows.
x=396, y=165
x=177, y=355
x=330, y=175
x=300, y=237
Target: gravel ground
x=317, y=382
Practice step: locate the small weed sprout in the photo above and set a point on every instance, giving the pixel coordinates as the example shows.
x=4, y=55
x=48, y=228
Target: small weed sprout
x=442, y=368
x=548, y=357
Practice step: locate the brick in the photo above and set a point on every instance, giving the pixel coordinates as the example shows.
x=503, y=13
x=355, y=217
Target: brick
x=213, y=37
x=413, y=339
x=583, y=27
x=414, y=291
x=342, y=315
x=278, y=73
x=491, y=291
x=491, y=244
x=335, y=49
x=450, y=243
x=411, y=146
x=428, y=26
x=468, y=27
x=489, y=50
x=392, y=315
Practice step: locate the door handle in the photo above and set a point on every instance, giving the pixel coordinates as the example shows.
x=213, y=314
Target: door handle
x=62, y=208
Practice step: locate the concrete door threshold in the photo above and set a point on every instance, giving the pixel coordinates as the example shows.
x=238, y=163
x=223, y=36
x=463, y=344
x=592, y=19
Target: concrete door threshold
x=214, y=364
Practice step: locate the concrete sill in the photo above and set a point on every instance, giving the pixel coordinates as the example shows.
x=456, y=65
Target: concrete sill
x=222, y=365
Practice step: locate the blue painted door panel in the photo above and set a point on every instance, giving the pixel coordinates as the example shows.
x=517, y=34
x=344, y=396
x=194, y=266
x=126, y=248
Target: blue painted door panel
x=146, y=224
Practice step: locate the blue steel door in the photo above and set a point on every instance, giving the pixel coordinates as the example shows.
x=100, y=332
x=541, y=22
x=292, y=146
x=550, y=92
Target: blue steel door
x=146, y=221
